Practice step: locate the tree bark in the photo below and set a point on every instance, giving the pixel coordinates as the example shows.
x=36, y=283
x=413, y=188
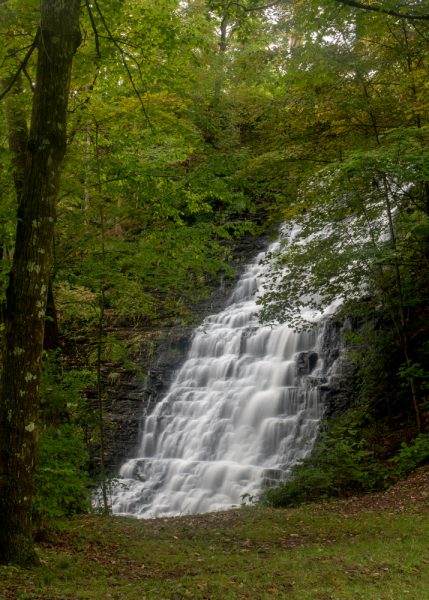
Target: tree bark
x=58, y=41
x=17, y=133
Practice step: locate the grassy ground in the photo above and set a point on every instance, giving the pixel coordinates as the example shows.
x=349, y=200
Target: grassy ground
x=370, y=548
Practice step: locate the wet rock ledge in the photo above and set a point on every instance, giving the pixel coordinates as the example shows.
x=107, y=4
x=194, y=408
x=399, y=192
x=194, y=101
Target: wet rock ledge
x=161, y=352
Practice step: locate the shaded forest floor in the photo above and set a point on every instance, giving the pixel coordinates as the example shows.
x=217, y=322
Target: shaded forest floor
x=372, y=547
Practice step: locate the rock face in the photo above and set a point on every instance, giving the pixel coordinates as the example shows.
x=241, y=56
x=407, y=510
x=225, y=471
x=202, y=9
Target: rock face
x=161, y=354
x=336, y=379
x=306, y=362
x=130, y=397
x=338, y=391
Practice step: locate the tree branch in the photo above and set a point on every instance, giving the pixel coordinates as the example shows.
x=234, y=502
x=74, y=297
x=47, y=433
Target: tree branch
x=30, y=81
x=94, y=28
x=352, y=3
x=386, y=11
x=21, y=68
x=124, y=62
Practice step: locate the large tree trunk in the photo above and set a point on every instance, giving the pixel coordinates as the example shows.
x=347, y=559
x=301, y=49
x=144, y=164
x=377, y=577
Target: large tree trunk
x=17, y=133
x=28, y=284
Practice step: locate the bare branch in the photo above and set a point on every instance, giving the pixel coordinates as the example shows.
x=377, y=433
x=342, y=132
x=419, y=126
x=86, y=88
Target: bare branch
x=249, y=8
x=352, y=3
x=30, y=81
x=124, y=62
x=81, y=107
x=386, y=11
x=12, y=53
x=94, y=28
x=21, y=68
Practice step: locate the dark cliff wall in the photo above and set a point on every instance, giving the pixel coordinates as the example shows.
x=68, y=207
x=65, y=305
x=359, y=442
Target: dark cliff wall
x=162, y=351
x=339, y=391
x=336, y=378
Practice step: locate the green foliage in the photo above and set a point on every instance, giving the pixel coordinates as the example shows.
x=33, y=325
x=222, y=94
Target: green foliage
x=61, y=481
x=154, y=209
x=412, y=455
x=62, y=390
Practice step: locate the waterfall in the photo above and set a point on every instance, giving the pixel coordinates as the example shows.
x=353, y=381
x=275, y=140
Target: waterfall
x=243, y=409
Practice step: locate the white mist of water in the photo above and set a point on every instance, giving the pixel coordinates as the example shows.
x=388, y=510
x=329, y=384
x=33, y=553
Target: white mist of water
x=241, y=411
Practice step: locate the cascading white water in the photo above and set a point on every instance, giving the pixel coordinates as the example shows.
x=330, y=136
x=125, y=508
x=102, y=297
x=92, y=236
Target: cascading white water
x=239, y=414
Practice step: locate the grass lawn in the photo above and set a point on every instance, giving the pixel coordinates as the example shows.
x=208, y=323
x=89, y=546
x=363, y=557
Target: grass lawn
x=370, y=548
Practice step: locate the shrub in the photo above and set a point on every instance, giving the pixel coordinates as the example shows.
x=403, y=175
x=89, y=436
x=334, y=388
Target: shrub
x=61, y=478
x=412, y=455
x=61, y=481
